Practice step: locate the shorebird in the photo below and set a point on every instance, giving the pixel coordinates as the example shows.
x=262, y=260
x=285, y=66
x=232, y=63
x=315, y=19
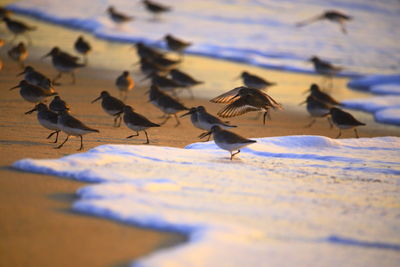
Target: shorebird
x=165, y=103
x=82, y=47
x=184, y=79
x=254, y=81
x=72, y=127
x=147, y=67
x=175, y=44
x=18, y=53
x=155, y=8
x=344, y=120
x=137, y=122
x=124, y=83
x=203, y=120
x=18, y=28
x=331, y=15
x=36, y=78
x=164, y=63
x=324, y=67
x=164, y=83
x=32, y=93
x=318, y=94
x=64, y=63
x=147, y=52
x=246, y=100
x=57, y=104
x=118, y=17
x=317, y=109
x=228, y=140
x=46, y=118
x=112, y=106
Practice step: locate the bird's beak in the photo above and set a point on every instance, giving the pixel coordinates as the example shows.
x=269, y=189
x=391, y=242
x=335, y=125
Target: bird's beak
x=30, y=111
x=19, y=74
x=14, y=87
x=48, y=54
x=96, y=99
x=205, y=134
x=187, y=113
x=302, y=103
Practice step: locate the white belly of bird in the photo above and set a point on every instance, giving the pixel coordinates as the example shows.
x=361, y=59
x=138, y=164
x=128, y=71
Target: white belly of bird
x=136, y=127
x=344, y=127
x=111, y=112
x=47, y=124
x=316, y=112
x=72, y=131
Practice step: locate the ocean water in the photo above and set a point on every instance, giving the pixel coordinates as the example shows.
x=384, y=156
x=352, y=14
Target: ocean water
x=284, y=201
x=256, y=32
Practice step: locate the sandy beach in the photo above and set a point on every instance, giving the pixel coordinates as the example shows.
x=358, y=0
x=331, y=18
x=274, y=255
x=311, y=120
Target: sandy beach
x=37, y=226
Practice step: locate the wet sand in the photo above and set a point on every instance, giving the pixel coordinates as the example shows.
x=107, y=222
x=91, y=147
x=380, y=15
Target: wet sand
x=37, y=226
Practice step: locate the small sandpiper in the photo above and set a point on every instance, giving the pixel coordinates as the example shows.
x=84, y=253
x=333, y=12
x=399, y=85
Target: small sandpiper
x=317, y=109
x=254, y=81
x=46, y=118
x=57, y=104
x=147, y=67
x=165, y=103
x=331, y=15
x=324, y=67
x=203, y=120
x=147, y=52
x=164, y=83
x=228, y=140
x=64, y=63
x=165, y=63
x=155, y=8
x=82, y=47
x=318, y=94
x=112, y=106
x=117, y=16
x=36, y=78
x=18, y=28
x=184, y=79
x=344, y=120
x=124, y=83
x=18, y=53
x=137, y=122
x=249, y=99
x=175, y=44
x=72, y=127
x=32, y=93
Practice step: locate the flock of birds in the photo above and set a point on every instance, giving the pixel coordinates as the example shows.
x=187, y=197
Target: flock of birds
x=166, y=81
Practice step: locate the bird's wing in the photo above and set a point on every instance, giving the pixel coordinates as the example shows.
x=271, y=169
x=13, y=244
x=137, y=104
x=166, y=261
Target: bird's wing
x=236, y=108
x=226, y=97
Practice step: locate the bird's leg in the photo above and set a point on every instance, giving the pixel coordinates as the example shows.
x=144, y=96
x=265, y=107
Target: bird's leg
x=57, y=77
x=166, y=119
x=57, y=136
x=311, y=123
x=177, y=120
x=355, y=130
x=116, y=123
x=81, y=147
x=66, y=139
x=342, y=27
x=265, y=115
x=147, y=138
x=73, y=77
x=137, y=134
x=340, y=133
x=232, y=155
x=51, y=134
